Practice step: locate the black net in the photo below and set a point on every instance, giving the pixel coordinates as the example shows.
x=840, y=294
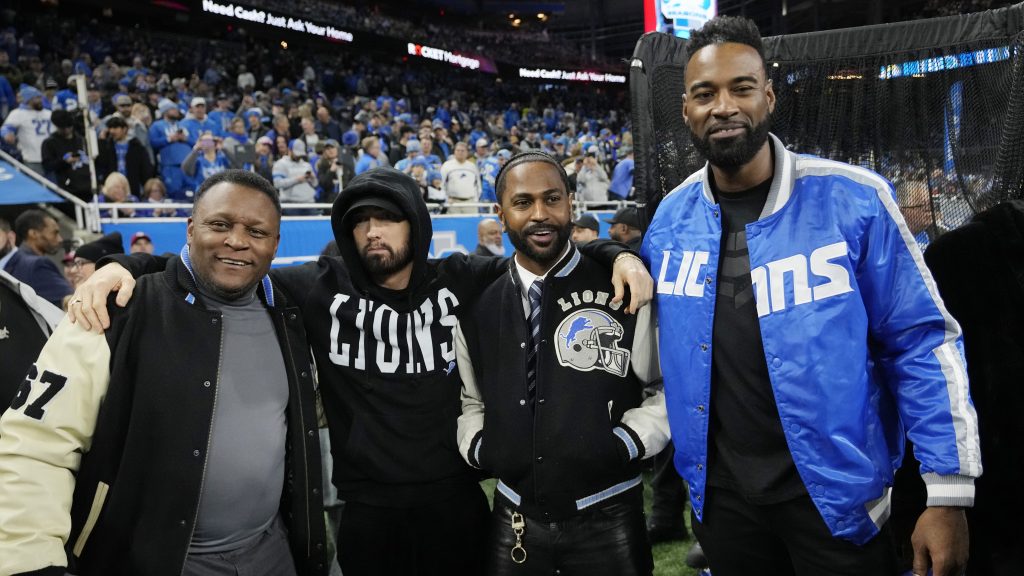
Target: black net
x=935, y=106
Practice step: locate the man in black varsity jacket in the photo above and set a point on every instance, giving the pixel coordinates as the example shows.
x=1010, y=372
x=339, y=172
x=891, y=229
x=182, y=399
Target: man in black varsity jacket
x=555, y=376
x=380, y=321
x=182, y=442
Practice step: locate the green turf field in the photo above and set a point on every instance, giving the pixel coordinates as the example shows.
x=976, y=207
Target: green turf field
x=668, y=558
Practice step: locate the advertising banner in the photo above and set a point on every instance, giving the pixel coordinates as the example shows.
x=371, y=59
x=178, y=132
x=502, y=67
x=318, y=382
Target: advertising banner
x=302, y=239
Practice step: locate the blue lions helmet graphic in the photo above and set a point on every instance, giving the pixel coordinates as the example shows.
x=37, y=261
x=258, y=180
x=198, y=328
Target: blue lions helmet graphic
x=588, y=340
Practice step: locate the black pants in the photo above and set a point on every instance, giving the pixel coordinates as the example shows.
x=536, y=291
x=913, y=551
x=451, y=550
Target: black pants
x=739, y=538
x=443, y=538
x=668, y=502
x=611, y=540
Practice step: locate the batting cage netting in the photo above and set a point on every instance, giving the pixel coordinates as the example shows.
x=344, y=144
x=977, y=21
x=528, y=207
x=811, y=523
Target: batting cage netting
x=936, y=106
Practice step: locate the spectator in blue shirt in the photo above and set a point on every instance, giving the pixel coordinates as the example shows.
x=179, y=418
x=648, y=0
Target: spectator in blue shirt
x=371, y=156
x=622, y=177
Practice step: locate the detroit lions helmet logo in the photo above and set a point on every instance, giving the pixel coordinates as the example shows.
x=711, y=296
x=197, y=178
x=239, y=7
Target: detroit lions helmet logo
x=588, y=339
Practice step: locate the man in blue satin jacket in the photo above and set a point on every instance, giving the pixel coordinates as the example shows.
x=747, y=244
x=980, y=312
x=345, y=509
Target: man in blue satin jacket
x=801, y=337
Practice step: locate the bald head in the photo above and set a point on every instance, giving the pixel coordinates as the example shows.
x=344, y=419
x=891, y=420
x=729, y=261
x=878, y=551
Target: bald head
x=488, y=232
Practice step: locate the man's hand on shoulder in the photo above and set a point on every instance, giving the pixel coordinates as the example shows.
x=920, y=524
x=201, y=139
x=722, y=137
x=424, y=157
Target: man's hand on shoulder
x=941, y=542
x=629, y=270
x=88, y=305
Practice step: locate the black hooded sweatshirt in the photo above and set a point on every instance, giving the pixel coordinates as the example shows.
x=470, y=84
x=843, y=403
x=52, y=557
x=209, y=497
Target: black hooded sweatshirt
x=386, y=358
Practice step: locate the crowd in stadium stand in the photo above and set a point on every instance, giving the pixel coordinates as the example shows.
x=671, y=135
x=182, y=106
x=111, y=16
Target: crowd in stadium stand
x=171, y=111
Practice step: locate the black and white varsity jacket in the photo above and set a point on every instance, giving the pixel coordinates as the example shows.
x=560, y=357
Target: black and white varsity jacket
x=580, y=442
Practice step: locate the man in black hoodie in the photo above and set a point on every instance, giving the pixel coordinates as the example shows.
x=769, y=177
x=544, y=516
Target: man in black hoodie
x=380, y=321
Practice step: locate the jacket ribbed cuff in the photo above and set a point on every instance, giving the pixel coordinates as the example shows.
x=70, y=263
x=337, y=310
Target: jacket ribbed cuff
x=474, y=449
x=949, y=490
x=632, y=447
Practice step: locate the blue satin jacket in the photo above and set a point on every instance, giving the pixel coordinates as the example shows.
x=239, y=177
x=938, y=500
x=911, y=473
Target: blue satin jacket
x=859, y=346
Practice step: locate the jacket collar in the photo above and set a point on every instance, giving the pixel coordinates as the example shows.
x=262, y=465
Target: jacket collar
x=782, y=179
x=265, y=290
x=561, y=269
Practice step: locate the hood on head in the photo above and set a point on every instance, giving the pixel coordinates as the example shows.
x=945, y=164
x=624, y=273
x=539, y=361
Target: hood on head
x=401, y=190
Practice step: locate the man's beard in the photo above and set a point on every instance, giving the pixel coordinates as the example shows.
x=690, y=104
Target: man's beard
x=542, y=256
x=36, y=106
x=731, y=154
x=381, y=265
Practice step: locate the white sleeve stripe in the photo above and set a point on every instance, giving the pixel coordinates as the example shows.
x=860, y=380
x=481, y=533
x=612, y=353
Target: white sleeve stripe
x=965, y=420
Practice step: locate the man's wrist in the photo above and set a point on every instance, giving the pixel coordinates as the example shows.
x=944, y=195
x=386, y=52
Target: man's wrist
x=627, y=254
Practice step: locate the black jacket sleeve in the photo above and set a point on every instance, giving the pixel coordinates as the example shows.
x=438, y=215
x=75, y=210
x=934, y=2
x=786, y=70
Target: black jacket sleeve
x=138, y=264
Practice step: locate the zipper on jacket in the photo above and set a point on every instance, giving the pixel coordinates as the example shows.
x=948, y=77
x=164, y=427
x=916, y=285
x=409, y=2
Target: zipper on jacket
x=209, y=442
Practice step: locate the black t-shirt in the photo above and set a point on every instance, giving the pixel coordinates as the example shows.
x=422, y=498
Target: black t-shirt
x=748, y=451
x=21, y=339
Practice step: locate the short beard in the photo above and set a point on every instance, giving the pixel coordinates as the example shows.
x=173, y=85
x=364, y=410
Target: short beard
x=733, y=153
x=381, y=266
x=547, y=256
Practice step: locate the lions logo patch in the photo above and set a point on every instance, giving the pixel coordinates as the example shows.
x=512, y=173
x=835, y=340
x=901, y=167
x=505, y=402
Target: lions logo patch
x=588, y=340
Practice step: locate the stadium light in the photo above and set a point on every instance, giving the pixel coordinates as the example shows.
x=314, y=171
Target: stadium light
x=511, y=16
x=542, y=17
x=517, y=22
x=284, y=45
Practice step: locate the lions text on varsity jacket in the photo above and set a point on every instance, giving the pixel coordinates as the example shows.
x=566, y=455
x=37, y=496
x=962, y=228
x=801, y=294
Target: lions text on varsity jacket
x=581, y=442
x=103, y=451
x=859, y=346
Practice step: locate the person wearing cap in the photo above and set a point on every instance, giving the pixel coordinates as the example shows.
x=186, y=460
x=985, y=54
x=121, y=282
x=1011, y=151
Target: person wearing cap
x=488, y=167
x=122, y=109
x=591, y=180
x=585, y=229
x=561, y=149
x=254, y=123
x=626, y=227
x=198, y=121
x=222, y=115
x=334, y=169
x=413, y=150
x=64, y=157
x=379, y=320
x=140, y=242
x=172, y=140
x=296, y=180
x=183, y=440
x=621, y=187
x=460, y=179
x=27, y=126
x=121, y=152
x=443, y=144
x=264, y=163
x=84, y=258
